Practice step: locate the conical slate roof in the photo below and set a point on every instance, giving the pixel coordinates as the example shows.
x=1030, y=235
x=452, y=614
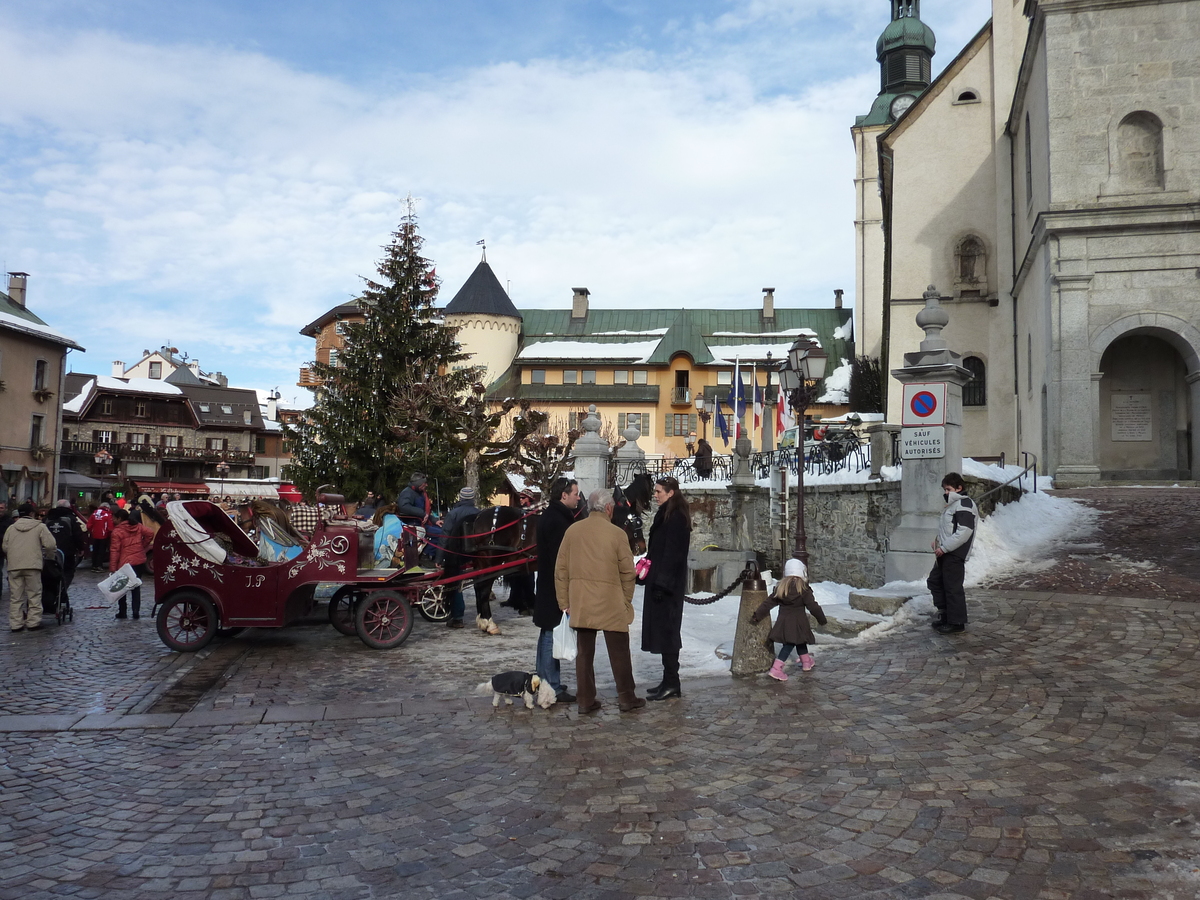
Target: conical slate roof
x=482, y=295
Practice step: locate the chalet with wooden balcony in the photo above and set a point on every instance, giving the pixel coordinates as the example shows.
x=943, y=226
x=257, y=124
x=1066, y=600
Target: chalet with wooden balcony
x=160, y=435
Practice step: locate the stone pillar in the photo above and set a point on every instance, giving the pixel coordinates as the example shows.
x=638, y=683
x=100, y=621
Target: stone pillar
x=631, y=459
x=882, y=436
x=909, y=557
x=753, y=653
x=743, y=474
x=591, y=455
x=1193, y=383
x=1079, y=389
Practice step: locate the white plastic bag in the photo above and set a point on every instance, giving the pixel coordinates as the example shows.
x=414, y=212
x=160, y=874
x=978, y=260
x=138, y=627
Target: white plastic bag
x=119, y=583
x=564, y=640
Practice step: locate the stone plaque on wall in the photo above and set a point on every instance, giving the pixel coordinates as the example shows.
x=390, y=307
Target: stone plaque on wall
x=1131, y=417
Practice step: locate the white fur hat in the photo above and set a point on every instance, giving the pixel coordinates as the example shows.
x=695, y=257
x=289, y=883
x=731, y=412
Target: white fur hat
x=795, y=568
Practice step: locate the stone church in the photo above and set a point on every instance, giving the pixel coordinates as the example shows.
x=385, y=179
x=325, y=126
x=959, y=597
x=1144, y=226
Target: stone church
x=1047, y=182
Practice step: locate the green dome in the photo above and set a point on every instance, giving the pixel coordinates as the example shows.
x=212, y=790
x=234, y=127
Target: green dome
x=907, y=31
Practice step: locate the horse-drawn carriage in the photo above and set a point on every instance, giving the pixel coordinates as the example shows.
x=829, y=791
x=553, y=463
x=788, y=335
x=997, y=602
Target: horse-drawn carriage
x=211, y=578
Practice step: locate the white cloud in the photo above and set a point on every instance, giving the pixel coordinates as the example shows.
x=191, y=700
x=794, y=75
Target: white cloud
x=222, y=199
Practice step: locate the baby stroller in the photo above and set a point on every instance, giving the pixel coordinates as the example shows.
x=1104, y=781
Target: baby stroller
x=55, y=601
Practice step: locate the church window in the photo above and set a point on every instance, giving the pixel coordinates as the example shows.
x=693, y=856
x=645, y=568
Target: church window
x=968, y=96
x=975, y=390
x=1140, y=151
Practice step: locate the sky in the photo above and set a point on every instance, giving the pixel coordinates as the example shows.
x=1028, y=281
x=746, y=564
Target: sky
x=214, y=175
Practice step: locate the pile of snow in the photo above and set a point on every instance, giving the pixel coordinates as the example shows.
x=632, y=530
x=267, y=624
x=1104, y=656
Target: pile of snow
x=837, y=385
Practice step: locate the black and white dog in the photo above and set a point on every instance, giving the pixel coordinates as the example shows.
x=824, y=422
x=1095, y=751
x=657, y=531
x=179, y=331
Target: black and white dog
x=525, y=685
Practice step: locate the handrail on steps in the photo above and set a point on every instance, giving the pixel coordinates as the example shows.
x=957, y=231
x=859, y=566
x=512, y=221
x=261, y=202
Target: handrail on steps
x=1028, y=465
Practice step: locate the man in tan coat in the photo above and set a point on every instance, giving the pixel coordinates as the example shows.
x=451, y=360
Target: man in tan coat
x=594, y=581
x=26, y=543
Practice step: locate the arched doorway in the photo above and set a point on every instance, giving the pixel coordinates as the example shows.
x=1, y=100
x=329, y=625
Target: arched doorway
x=1145, y=419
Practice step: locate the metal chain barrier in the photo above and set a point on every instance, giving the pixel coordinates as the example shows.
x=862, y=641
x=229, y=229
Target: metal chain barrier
x=704, y=601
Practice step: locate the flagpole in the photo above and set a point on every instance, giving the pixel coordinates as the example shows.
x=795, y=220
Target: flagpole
x=754, y=405
x=736, y=393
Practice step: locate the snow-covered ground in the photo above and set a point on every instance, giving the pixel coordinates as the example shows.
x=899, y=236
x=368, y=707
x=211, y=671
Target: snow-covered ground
x=1015, y=537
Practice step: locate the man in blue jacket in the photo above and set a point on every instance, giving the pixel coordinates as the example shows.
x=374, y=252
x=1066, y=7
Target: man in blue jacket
x=952, y=546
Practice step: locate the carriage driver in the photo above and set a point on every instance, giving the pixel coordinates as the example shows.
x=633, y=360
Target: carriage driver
x=412, y=503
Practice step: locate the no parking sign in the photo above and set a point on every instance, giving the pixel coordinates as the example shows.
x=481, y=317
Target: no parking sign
x=924, y=404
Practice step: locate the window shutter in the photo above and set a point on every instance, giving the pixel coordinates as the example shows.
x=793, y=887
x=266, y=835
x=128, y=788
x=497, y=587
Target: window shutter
x=620, y=422
x=692, y=423
x=669, y=426
x=645, y=424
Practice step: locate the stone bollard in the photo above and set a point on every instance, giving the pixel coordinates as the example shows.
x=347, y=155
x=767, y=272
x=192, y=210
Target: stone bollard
x=753, y=654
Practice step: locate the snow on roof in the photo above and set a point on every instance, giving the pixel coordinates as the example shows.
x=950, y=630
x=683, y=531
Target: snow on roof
x=638, y=351
x=75, y=404
x=728, y=356
x=657, y=331
x=35, y=328
x=791, y=332
x=137, y=385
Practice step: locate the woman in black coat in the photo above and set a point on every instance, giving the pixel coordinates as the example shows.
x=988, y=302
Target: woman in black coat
x=666, y=584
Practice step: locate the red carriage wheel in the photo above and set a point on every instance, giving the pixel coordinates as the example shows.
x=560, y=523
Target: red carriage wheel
x=383, y=620
x=187, y=621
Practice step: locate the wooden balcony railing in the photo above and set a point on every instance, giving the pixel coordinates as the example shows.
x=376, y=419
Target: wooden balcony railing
x=308, y=379
x=153, y=451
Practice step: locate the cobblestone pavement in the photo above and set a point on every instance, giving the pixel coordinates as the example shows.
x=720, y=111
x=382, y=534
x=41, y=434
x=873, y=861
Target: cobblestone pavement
x=1147, y=545
x=1049, y=752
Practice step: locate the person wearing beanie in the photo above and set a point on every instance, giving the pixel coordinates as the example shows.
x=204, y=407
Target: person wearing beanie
x=412, y=503
x=791, y=629
x=27, y=542
x=68, y=534
x=451, y=561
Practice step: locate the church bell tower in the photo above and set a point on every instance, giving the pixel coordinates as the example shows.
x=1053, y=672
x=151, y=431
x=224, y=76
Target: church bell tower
x=904, y=52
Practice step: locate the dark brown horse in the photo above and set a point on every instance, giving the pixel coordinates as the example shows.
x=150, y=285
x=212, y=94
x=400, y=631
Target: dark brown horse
x=631, y=502
x=497, y=535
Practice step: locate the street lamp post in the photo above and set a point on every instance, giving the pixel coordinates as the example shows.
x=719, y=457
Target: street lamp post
x=222, y=471
x=102, y=458
x=799, y=377
x=703, y=413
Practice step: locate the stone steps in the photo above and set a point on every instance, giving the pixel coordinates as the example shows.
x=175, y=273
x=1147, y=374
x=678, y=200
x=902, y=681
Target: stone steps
x=867, y=608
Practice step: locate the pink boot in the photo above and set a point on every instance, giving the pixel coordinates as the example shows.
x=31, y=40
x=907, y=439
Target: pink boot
x=777, y=671
x=806, y=662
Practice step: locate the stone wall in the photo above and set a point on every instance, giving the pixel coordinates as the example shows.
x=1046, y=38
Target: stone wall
x=847, y=527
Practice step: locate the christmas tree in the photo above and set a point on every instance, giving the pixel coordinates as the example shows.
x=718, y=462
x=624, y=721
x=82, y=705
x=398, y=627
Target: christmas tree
x=357, y=436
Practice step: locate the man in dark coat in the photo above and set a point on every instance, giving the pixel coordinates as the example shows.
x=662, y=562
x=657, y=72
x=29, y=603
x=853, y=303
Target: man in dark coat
x=553, y=523
x=460, y=514
x=6, y=519
x=666, y=584
x=412, y=503
x=68, y=534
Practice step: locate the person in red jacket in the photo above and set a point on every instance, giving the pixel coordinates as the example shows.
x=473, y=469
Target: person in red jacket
x=100, y=526
x=130, y=541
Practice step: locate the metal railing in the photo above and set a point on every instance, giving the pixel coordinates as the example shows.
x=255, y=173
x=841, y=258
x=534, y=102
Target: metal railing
x=1029, y=466
x=154, y=451
x=681, y=396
